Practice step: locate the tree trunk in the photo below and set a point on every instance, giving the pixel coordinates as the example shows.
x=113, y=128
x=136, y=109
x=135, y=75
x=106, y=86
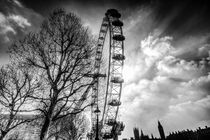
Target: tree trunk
x=3, y=134
x=48, y=117
x=6, y=130
x=56, y=137
x=47, y=121
x=44, y=129
x=115, y=137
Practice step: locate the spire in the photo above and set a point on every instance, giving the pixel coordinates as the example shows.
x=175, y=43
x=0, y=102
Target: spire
x=142, y=134
x=152, y=136
x=136, y=133
x=159, y=124
x=161, y=131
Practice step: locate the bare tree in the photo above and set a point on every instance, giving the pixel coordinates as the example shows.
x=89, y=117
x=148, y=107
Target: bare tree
x=72, y=127
x=60, y=53
x=16, y=86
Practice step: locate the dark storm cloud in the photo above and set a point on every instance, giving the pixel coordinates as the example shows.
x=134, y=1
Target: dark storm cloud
x=190, y=16
x=186, y=21
x=46, y=5
x=183, y=17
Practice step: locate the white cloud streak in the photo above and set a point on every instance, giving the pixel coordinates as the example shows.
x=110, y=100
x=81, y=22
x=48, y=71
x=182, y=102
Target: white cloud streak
x=17, y=3
x=19, y=20
x=4, y=25
x=7, y=26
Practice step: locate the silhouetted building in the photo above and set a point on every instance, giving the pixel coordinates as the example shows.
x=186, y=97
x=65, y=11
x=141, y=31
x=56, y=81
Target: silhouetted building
x=138, y=137
x=144, y=137
x=198, y=134
x=161, y=131
x=152, y=136
x=142, y=134
x=136, y=134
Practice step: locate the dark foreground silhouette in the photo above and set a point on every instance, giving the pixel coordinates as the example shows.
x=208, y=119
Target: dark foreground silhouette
x=198, y=134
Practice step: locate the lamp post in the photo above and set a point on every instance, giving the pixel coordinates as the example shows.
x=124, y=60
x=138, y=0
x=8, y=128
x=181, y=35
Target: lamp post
x=97, y=111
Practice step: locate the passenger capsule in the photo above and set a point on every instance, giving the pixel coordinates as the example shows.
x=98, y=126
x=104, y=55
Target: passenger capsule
x=105, y=24
x=117, y=23
x=117, y=79
x=100, y=46
x=98, y=51
x=111, y=122
x=114, y=102
x=113, y=13
x=118, y=37
x=118, y=57
x=94, y=96
x=98, y=58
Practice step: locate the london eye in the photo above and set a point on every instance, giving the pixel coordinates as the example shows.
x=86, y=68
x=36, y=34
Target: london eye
x=108, y=79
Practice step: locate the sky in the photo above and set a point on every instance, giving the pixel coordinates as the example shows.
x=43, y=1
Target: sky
x=167, y=50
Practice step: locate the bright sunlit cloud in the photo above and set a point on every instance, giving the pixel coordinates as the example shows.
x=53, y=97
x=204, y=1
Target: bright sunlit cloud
x=173, y=85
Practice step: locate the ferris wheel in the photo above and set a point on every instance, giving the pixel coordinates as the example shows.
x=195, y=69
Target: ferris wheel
x=108, y=79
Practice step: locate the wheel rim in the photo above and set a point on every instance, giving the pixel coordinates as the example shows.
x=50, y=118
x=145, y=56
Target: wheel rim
x=114, y=79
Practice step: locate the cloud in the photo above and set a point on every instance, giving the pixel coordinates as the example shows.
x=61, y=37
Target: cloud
x=189, y=114
x=86, y=5
x=21, y=21
x=177, y=68
x=154, y=48
x=4, y=25
x=17, y=3
x=15, y=22
x=6, y=30
x=10, y=27
x=162, y=86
